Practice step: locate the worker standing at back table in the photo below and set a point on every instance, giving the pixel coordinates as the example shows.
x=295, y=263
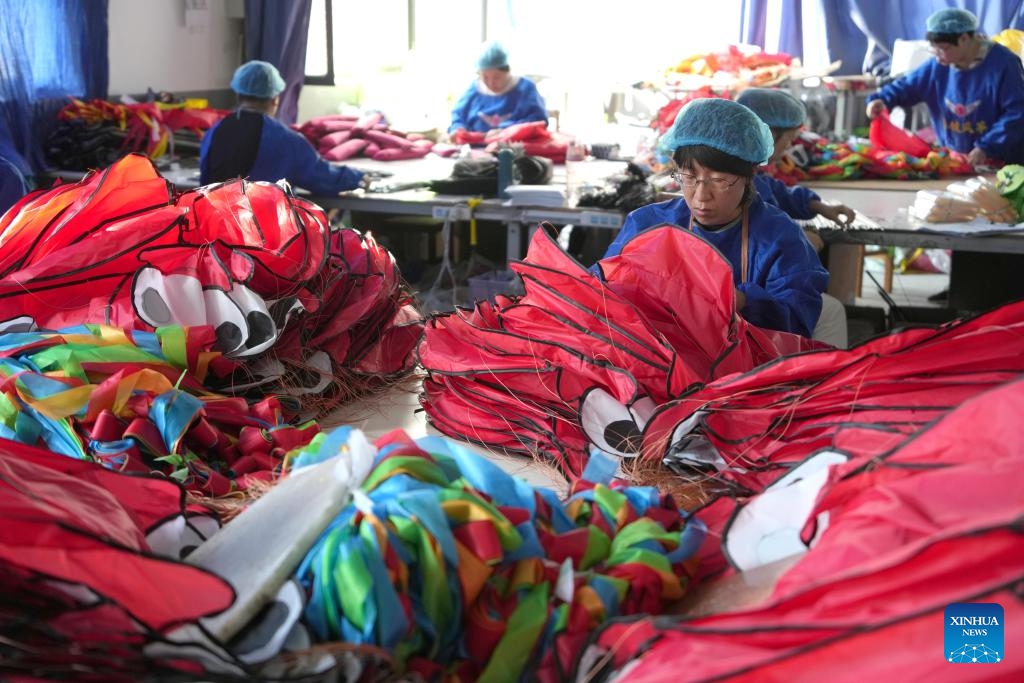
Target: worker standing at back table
x=497, y=99
x=250, y=143
x=974, y=89
x=717, y=146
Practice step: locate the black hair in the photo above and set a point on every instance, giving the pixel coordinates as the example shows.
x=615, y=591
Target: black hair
x=947, y=38
x=717, y=160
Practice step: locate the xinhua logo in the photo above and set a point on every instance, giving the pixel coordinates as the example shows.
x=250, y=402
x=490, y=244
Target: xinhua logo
x=974, y=633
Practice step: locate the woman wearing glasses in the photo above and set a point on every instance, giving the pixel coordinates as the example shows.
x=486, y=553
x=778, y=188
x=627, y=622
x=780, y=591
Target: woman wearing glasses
x=974, y=90
x=717, y=146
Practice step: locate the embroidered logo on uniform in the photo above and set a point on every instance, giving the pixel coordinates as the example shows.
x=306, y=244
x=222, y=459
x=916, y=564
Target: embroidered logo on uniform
x=962, y=110
x=973, y=633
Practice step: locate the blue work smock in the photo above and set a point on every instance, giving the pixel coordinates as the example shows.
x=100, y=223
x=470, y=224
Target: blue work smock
x=794, y=201
x=250, y=144
x=480, y=111
x=785, y=277
x=979, y=107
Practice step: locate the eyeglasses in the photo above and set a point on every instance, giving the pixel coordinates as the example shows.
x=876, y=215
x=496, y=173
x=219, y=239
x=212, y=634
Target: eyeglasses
x=690, y=181
x=940, y=48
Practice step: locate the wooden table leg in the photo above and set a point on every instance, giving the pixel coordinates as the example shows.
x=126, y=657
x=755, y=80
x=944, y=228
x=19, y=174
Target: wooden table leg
x=845, y=262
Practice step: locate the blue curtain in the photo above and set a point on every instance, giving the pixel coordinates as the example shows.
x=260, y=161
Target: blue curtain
x=861, y=33
x=48, y=51
x=753, y=29
x=276, y=31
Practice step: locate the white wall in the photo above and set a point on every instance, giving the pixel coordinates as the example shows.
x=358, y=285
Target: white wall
x=157, y=44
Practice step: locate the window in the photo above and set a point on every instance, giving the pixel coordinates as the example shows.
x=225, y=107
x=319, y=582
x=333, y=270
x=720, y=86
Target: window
x=320, y=44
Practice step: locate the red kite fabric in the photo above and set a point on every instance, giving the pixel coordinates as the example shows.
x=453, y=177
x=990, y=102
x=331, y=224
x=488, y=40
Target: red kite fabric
x=884, y=135
x=314, y=312
x=77, y=566
x=579, y=363
x=898, y=535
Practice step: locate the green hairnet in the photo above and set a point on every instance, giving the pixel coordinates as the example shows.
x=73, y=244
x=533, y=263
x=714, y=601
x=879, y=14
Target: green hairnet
x=777, y=108
x=952, y=20
x=722, y=124
x=493, y=57
x=257, y=79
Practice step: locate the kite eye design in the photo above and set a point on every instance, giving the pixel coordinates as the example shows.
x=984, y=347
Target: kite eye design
x=613, y=427
x=23, y=323
x=240, y=317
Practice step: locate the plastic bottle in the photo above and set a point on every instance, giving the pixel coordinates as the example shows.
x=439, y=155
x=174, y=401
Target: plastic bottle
x=505, y=177
x=575, y=154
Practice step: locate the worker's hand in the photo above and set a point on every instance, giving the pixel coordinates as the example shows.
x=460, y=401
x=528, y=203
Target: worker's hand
x=741, y=300
x=840, y=214
x=875, y=107
x=458, y=136
x=977, y=157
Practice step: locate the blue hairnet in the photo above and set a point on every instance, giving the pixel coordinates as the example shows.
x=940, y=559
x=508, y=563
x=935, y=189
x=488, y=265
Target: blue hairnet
x=722, y=124
x=777, y=108
x=257, y=79
x=951, y=20
x=493, y=57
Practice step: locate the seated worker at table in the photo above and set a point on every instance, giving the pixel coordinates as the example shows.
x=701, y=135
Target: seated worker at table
x=250, y=143
x=717, y=145
x=497, y=99
x=974, y=90
x=785, y=116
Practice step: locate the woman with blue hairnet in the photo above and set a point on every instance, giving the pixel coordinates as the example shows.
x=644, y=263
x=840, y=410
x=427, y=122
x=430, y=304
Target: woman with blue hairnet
x=717, y=146
x=250, y=143
x=974, y=89
x=785, y=116
x=497, y=99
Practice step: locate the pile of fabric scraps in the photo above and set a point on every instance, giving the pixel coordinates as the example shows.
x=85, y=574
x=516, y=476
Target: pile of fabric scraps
x=814, y=157
x=430, y=560
x=96, y=133
x=339, y=136
x=311, y=313
x=533, y=138
x=466, y=573
x=580, y=362
x=736, y=67
x=135, y=401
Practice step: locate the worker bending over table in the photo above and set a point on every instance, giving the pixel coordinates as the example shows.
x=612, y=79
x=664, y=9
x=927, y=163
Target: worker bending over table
x=717, y=146
x=250, y=143
x=785, y=116
x=497, y=99
x=974, y=89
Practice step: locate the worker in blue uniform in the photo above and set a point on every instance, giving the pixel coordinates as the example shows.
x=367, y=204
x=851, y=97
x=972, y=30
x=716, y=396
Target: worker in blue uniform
x=974, y=89
x=717, y=146
x=785, y=116
x=497, y=99
x=250, y=143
